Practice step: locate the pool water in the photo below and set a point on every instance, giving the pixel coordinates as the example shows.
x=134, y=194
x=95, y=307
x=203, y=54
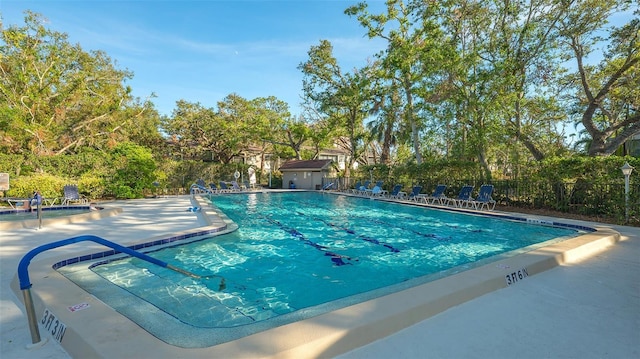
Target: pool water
x=294, y=251
x=49, y=212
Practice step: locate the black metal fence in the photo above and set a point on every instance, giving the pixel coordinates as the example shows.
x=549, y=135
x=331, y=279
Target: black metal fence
x=606, y=200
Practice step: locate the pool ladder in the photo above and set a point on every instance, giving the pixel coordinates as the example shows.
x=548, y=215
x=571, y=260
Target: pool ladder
x=25, y=283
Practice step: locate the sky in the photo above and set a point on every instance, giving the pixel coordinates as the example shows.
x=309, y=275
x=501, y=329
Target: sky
x=203, y=50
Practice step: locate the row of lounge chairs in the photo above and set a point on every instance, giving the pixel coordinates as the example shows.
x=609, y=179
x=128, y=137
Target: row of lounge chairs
x=464, y=199
x=71, y=195
x=220, y=187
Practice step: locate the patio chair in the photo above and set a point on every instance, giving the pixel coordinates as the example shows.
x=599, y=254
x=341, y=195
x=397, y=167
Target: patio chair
x=72, y=195
x=224, y=188
x=396, y=192
x=415, y=192
x=463, y=197
x=378, y=185
x=328, y=186
x=213, y=187
x=354, y=188
x=376, y=191
x=199, y=187
x=362, y=190
x=484, y=198
x=235, y=187
x=436, y=196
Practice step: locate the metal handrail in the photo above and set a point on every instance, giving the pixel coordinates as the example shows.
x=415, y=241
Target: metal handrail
x=25, y=283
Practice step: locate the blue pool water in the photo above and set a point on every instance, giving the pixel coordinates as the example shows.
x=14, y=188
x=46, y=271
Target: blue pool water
x=298, y=250
x=47, y=212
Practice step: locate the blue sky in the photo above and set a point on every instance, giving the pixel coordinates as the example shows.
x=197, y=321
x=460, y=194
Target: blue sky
x=202, y=51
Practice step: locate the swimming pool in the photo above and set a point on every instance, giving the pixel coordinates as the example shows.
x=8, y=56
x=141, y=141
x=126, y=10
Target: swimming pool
x=47, y=212
x=15, y=219
x=289, y=244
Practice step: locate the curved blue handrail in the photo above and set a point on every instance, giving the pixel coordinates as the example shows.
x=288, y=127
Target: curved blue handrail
x=23, y=266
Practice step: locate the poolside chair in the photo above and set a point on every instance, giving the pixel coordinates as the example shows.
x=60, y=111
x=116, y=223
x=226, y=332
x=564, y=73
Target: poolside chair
x=484, y=198
x=224, y=188
x=235, y=186
x=363, y=189
x=436, y=196
x=199, y=187
x=213, y=188
x=71, y=194
x=395, y=192
x=463, y=197
x=328, y=186
x=415, y=192
x=378, y=185
x=376, y=191
x=28, y=203
x=355, y=188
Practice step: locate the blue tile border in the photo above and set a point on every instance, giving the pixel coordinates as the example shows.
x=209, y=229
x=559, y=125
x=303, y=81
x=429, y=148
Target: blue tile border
x=163, y=241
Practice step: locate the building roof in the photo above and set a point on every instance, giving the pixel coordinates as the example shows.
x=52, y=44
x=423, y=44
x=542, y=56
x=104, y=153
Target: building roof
x=305, y=165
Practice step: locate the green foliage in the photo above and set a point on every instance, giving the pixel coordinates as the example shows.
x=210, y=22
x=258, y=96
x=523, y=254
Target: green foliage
x=24, y=186
x=56, y=98
x=134, y=170
x=92, y=186
x=592, y=169
x=437, y=171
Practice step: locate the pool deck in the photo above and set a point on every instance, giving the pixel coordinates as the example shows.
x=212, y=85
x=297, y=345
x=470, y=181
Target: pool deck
x=583, y=308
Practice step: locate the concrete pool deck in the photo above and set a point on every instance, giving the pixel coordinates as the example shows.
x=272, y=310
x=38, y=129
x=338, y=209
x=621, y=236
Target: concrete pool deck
x=586, y=308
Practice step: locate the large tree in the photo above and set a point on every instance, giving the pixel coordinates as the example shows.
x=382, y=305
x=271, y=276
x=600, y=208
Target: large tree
x=345, y=99
x=235, y=127
x=412, y=59
x=57, y=98
x=607, y=94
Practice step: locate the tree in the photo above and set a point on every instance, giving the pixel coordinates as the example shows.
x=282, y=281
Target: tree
x=235, y=127
x=344, y=98
x=385, y=126
x=57, y=98
x=607, y=94
x=413, y=53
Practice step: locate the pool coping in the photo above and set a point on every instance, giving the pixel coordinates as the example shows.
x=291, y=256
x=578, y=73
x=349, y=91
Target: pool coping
x=326, y=335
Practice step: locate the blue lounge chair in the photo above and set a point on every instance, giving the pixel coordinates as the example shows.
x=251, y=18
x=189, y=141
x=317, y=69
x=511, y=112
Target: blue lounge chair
x=224, y=188
x=395, y=192
x=378, y=185
x=484, y=198
x=363, y=189
x=415, y=192
x=356, y=188
x=436, y=196
x=328, y=186
x=235, y=186
x=71, y=194
x=463, y=197
x=376, y=191
x=199, y=187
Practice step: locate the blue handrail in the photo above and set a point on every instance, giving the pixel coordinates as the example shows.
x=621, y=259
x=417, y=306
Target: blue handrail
x=25, y=282
x=23, y=272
